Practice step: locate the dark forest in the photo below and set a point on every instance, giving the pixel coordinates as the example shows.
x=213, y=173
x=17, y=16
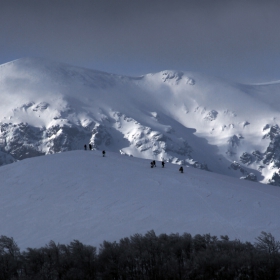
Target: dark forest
x=148, y=256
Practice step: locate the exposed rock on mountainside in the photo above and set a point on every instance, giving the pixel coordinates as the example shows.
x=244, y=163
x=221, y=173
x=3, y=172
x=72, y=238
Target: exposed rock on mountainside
x=6, y=158
x=246, y=158
x=21, y=140
x=246, y=174
x=272, y=153
x=180, y=117
x=212, y=115
x=275, y=179
x=250, y=177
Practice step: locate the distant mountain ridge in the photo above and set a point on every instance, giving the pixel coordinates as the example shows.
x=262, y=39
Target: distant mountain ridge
x=181, y=117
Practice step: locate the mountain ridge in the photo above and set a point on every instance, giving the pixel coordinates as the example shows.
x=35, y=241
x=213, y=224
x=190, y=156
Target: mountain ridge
x=181, y=117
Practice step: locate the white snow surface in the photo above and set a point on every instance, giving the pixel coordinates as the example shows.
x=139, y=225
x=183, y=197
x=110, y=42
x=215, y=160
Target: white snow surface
x=82, y=195
x=182, y=117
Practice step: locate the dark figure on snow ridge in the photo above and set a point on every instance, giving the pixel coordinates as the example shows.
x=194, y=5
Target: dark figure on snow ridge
x=181, y=169
x=85, y=146
x=103, y=153
x=89, y=146
x=154, y=163
x=162, y=164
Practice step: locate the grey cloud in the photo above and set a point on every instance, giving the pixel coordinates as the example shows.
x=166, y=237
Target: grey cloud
x=238, y=39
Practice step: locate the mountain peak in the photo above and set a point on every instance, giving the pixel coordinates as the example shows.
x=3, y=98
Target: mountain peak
x=185, y=118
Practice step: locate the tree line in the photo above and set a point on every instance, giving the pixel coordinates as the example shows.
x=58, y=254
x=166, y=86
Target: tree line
x=148, y=256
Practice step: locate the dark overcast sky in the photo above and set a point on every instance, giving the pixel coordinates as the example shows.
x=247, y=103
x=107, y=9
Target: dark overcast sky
x=233, y=39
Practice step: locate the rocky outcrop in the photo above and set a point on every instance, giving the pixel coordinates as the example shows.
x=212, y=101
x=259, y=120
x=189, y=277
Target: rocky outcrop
x=250, y=177
x=246, y=158
x=257, y=155
x=233, y=144
x=237, y=166
x=246, y=175
x=275, y=179
x=160, y=145
x=6, y=158
x=272, y=153
x=24, y=141
x=197, y=164
x=100, y=138
x=21, y=140
x=212, y=115
x=270, y=157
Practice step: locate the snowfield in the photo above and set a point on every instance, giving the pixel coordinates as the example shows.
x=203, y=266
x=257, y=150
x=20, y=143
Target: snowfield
x=81, y=195
x=182, y=117
x=218, y=130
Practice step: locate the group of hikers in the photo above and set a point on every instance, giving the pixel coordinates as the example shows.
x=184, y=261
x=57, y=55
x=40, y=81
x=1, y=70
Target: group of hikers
x=153, y=163
x=89, y=147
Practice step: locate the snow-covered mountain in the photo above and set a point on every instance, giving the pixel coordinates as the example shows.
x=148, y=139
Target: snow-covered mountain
x=181, y=117
x=82, y=195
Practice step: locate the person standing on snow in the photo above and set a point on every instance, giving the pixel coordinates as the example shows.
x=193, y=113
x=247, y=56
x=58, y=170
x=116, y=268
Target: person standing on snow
x=162, y=164
x=90, y=147
x=181, y=169
x=103, y=153
x=154, y=162
x=85, y=146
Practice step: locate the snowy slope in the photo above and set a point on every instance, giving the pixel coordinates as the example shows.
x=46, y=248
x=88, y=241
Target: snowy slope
x=81, y=195
x=182, y=117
